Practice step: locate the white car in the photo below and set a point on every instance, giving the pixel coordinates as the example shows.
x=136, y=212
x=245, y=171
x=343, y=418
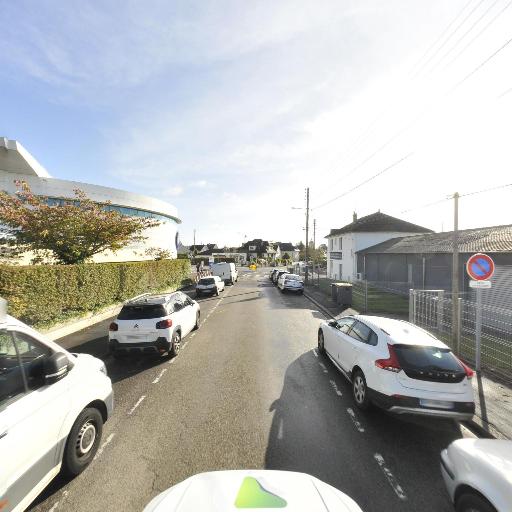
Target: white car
x=53, y=405
x=291, y=282
x=210, y=285
x=252, y=489
x=398, y=367
x=153, y=324
x=478, y=474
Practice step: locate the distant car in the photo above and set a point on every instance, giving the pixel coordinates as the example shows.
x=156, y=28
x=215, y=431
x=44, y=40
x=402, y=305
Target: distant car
x=153, y=324
x=53, y=405
x=478, y=474
x=210, y=285
x=278, y=274
x=398, y=366
x=291, y=282
x=226, y=271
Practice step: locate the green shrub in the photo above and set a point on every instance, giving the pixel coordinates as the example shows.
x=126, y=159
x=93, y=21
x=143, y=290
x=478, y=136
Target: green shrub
x=45, y=294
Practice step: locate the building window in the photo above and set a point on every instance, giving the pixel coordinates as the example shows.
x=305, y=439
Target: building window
x=330, y=244
x=340, y=242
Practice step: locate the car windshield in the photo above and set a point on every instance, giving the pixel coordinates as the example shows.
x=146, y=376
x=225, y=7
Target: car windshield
x=207, y=280
x=293, y=277
x=142, y=312
x=427, y=358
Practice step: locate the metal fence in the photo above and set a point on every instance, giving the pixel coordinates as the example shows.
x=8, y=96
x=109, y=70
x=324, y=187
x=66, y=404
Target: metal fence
x=490, y=330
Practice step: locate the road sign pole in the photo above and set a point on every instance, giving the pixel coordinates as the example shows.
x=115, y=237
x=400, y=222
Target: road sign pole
x=455, y=267
x=478, y=329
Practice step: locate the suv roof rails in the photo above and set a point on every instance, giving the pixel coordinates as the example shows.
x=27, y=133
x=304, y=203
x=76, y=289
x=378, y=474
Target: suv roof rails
x=137, y=297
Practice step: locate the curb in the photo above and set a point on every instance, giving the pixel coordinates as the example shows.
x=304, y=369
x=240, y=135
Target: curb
x=323, y=309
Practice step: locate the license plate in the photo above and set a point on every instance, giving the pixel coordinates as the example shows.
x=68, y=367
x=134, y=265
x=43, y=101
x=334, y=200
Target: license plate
x=437, y=404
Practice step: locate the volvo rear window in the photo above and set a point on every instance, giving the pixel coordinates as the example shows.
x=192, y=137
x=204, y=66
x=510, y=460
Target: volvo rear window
x=417, y=357
x=208, y=280
x=142, y=312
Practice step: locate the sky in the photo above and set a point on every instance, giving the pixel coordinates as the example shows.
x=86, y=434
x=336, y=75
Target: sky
x=230, y=109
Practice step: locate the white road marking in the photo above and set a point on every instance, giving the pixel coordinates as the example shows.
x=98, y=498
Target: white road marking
x=335, y=387
x=157, y=379
x=172, y=361
x=280, y=430
x=315, y=352
x=103, y=446
x=54, y=508
x=391, y=479
x=184, y=345
x=139, y=401
x=355, y=420
x=323, y=367
x=193, y=334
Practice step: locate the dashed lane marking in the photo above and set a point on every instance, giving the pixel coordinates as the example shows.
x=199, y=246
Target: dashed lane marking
x=157, y=379
x=324, y=368
x=357, y=423
x=104, y=445
x=335, y=387
x=315, y=352
x=390, y=477
x=139, y=401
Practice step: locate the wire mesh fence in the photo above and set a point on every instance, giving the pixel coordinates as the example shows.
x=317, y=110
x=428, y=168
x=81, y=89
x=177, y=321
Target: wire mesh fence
x=433, y=310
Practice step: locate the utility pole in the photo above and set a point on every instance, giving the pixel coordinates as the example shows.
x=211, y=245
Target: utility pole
x=455, y=272
x=194, y=251
x=307, y=232
x=314, y=249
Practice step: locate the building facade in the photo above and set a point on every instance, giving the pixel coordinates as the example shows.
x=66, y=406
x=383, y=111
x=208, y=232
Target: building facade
x=425, y=262
x=17, y=164
x=344, y=243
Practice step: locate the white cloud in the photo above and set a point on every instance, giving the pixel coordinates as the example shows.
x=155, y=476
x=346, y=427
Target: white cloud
x=173, y=191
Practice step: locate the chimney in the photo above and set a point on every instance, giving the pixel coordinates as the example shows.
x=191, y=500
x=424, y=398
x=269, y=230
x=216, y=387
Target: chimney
x=354, y=216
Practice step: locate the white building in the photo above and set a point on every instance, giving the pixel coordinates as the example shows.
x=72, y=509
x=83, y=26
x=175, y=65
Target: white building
x=343, y=243
x=17, y=164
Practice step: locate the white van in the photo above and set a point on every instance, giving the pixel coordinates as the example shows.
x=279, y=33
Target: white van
x=226, y=271
x=52, y=408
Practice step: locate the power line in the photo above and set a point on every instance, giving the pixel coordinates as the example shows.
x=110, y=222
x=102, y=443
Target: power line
x=441, y=36
x=486, y=190
x=464, y=35
x=365, y=181
x=499, y=13
x=481, y=65
x=426, y=205
x=449, y=37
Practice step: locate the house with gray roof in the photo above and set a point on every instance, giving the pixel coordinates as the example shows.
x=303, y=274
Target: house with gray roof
x=343, y=243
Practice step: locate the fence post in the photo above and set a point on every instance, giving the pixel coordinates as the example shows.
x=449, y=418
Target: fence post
x=459, y=325
x=440, y=310
x=411, y=305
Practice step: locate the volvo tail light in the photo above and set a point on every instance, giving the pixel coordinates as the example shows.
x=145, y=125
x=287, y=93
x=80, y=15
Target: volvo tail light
x=391, y=363
x=469, y=372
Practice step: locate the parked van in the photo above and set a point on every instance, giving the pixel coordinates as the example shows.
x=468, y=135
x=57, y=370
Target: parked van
x=226, y=271
x=52, y=408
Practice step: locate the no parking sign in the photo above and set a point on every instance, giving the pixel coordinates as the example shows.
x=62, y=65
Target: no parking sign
x=480, y=267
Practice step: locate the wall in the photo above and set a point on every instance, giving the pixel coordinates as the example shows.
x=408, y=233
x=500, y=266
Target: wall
x=161, y=237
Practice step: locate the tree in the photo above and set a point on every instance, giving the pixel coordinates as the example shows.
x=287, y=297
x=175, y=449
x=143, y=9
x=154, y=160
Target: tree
x=72, y=233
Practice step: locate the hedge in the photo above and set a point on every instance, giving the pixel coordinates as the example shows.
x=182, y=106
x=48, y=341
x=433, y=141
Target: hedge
x=42, y=295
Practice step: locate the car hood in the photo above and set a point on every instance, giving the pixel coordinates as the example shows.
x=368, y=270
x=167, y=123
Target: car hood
x=494, y=453
x=233, y=490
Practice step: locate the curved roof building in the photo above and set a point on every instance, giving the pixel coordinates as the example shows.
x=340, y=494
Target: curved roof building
x=16, y=163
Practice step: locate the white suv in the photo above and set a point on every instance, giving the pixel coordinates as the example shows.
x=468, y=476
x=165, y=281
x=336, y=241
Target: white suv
x=210, y=285
x=398, y=367
x=153, y=324
x=52, y=408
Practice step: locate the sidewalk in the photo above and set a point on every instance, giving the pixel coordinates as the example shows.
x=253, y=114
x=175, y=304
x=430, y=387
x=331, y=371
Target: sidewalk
x=493, y=398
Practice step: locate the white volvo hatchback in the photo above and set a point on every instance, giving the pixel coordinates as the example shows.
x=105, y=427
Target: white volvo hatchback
x=398, y=366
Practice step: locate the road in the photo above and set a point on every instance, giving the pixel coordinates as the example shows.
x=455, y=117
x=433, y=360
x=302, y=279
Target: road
x=249, y=390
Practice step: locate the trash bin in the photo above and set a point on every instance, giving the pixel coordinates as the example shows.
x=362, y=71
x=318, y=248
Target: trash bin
x=341, y=293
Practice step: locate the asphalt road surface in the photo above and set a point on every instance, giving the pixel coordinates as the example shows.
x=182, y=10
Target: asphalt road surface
x=249, y=390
